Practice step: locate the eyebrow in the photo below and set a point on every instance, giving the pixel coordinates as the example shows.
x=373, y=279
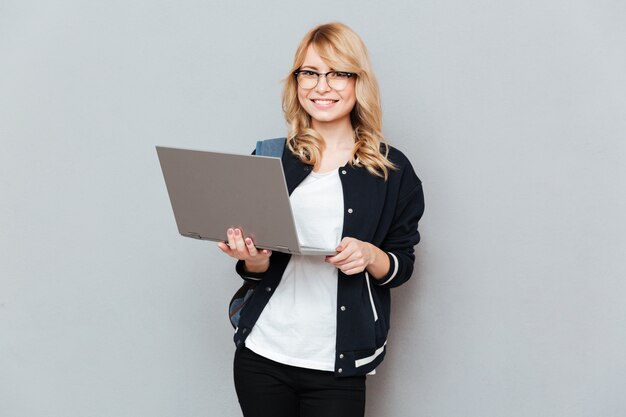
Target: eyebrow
x=309, y=67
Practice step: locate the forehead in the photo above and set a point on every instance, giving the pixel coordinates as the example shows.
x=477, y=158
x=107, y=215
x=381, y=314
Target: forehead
x=313, y=60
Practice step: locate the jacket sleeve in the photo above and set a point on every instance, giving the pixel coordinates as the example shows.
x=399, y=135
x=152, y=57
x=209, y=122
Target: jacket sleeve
x=403, y=233
x=248, y=276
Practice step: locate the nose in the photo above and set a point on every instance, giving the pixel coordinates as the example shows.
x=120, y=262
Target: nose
x=322, y=87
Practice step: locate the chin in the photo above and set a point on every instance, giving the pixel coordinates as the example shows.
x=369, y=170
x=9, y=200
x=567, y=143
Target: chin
x=325, y=117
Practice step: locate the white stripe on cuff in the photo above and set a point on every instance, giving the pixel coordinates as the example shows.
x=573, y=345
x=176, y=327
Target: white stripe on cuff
x=256, y=279
x=395, y=269
x=365, y=361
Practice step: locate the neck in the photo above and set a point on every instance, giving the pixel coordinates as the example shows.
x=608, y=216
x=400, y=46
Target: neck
x=337, y=134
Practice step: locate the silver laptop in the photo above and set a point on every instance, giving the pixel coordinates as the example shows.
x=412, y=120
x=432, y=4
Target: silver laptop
x=212, y=191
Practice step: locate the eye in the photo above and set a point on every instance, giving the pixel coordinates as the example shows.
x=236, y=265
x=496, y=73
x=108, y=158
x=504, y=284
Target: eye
x=307, y=73
x=340, y=75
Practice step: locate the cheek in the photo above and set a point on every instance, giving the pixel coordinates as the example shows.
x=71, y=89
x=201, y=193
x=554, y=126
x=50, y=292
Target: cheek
x=351, y=101
x=350, y=95
x=302, y=96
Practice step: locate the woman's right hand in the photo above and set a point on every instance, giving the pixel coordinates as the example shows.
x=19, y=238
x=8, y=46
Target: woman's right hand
x=242, y=248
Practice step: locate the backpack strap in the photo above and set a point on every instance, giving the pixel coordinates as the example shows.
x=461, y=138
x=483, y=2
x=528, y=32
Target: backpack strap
x=271, y=147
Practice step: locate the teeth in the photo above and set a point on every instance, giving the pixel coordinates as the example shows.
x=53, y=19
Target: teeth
x=324, y=101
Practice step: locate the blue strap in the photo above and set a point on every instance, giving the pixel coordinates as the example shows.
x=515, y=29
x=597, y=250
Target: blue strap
x=271, y=147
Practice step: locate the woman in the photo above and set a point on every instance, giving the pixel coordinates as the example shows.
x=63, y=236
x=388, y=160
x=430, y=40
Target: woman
x=305, y=346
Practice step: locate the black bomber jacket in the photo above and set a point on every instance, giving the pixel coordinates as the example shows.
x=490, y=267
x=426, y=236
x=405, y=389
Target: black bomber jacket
x=384, y=213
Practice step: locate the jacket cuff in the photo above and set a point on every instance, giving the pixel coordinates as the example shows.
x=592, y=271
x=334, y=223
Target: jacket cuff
x=393, y=270
x=251, y=276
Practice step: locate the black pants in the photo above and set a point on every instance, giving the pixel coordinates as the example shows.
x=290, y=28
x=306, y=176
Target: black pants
x=268, y=388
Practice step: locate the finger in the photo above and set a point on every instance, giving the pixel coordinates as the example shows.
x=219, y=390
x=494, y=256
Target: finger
x=239, y=243
x=359, y=264
x=251, y=248
x=355, y=256
x=231, y=238
x=224, y=247
x=345, y=242
x=352, y=263
x=353, y=271
x=227, y=250
x=338, y=262
x=340, y=258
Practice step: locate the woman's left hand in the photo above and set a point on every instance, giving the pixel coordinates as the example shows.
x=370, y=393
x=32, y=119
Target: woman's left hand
x=354, y=256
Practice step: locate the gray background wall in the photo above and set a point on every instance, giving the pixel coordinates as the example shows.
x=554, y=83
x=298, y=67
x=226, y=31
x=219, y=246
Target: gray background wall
x=513, y=114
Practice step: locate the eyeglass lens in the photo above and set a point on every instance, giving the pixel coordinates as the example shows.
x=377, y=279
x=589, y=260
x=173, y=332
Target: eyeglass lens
x=336, y=80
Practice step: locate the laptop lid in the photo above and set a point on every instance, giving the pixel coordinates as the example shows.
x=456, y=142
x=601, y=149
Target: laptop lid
x=212, y=191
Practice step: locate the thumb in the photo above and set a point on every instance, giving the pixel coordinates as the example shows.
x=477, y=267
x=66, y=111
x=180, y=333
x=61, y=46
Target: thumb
x=342, y=245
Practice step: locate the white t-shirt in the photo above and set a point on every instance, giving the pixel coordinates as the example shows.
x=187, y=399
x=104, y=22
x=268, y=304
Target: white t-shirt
x=299, y=323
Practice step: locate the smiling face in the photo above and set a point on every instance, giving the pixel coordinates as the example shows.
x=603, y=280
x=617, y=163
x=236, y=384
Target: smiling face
x=325, y=105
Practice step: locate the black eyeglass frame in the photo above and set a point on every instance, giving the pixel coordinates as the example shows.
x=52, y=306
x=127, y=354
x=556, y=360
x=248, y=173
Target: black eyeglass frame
x=325, y=74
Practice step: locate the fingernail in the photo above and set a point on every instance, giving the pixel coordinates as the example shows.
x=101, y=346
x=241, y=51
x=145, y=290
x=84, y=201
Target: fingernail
x=249, y=241
x=230, y=232
x=237, y=232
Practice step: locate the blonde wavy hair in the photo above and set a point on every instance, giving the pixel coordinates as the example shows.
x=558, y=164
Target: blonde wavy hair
x=343, y=50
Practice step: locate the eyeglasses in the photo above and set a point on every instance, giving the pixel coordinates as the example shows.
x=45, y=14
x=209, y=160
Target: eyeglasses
x=337, y=80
